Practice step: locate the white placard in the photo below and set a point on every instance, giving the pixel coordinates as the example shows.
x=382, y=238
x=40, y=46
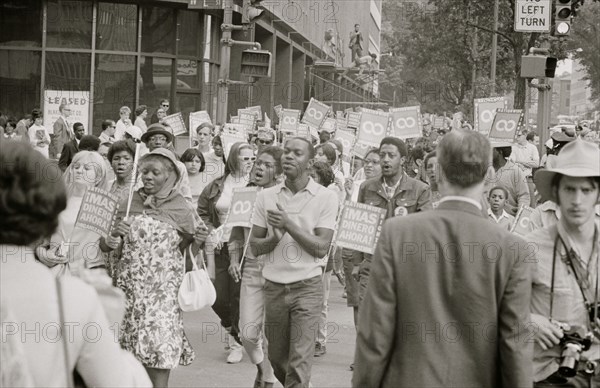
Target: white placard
x=80, y=107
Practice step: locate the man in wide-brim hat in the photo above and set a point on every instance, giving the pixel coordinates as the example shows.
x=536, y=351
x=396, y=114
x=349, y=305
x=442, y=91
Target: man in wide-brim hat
x=153, y=135
x=565, y=259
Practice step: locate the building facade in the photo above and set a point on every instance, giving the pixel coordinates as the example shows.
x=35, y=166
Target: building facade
x=101, y=55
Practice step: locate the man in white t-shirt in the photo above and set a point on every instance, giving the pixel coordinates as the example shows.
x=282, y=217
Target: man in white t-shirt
x=293, y=226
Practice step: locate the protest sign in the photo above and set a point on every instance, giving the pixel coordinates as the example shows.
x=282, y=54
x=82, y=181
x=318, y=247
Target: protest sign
x=257, y=111
x=353, y=119
x=304, y=131
x=406, y=122
x=247, y=119
x=373, y=127
x=289, y=120
x=347, y=139
x=234, y=120
x=329, y=125
x=438, y=123
x=341, y=123
x=242, y=204
x=360, y=149
x=97, y=212
x=485, y=110
x=522, y=224
x=196, y=119
x=229, y=139
x=505, y=125
x=315, y=113
x=176, y=123
x=359, y=227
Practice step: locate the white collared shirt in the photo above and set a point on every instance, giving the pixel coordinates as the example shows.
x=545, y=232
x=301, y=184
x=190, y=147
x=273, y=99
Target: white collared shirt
x=460, y=198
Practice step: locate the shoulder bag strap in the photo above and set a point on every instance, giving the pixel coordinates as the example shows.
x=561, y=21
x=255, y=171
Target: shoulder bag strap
x=61, y=315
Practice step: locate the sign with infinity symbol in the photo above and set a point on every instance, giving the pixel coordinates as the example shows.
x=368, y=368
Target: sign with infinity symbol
x=242, y=205
x=505, y=125
x=347, y=139
x=289, y=120
x=485, y=110
x=522, y=223
x=329, y=125
x=360, y=149
x=373, y=127
x=316, y=112
x=406, y=122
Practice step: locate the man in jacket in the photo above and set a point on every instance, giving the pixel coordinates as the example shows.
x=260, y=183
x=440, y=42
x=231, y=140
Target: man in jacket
x=62, y=132
x=71, y=148
x=451, y=302
x=393, y=191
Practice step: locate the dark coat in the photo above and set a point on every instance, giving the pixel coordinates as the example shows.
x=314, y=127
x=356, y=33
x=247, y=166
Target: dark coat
x=68, y=152
x=447, y=304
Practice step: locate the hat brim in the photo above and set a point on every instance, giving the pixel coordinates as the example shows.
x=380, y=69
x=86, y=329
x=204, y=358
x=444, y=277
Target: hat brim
x=543, y=179
x=501, y=144
x=153, y=132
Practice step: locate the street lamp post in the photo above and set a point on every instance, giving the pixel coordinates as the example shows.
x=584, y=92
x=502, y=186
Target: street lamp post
x=494, y=47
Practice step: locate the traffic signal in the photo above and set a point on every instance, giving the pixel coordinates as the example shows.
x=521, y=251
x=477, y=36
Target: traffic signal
x=562, y=17
x=538, y=66
x=256, y=63
x=249, y=11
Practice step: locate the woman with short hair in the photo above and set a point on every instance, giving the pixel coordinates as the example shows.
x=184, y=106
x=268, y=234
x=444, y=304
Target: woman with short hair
x=121, y=156
x=141, y=112
x=29, y=212
x=194, y=164
x=38, y=134
x=123, y=123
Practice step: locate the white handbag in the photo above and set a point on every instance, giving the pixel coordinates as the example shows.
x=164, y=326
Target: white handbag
x=197, y=290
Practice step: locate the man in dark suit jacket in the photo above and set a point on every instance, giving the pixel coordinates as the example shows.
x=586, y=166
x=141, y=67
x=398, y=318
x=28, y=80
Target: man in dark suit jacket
x=449, y=296
x=61, y=132
x=71, y=147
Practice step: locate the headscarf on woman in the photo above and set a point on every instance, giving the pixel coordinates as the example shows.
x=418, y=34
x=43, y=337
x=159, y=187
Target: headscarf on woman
x=168, y=205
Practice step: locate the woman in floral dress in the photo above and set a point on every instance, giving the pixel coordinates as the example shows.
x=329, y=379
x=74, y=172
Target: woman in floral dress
x=150, y=267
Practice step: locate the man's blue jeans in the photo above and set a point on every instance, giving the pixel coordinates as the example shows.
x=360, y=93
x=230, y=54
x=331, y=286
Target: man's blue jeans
x=291, y=323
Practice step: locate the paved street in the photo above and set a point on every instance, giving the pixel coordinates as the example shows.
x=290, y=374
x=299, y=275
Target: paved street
x=210, y=369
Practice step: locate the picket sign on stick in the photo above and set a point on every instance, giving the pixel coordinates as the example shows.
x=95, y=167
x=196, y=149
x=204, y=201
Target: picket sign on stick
x=97, y=211
x=333, y=245
x=316, y=112
x=360, y=227
x=407, y=122
x=241, y=210
x=522, y=223
x=176, y=123
x=484, y=111
x=134, y=178
x=505, y=125
x=373, y=127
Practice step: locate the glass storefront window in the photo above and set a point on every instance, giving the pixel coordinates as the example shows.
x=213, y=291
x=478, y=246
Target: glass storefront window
x=67, y=71
x=117, y=27
x=190, y=31
x=69, y=24
x=114, y=87
x=21, y=23
x=188, y=74
x=158, y=30
x=20, y=73
x=155, y=81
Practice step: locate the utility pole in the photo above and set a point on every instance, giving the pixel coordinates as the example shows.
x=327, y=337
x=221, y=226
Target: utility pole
x=223, y=87
x=494, y=47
